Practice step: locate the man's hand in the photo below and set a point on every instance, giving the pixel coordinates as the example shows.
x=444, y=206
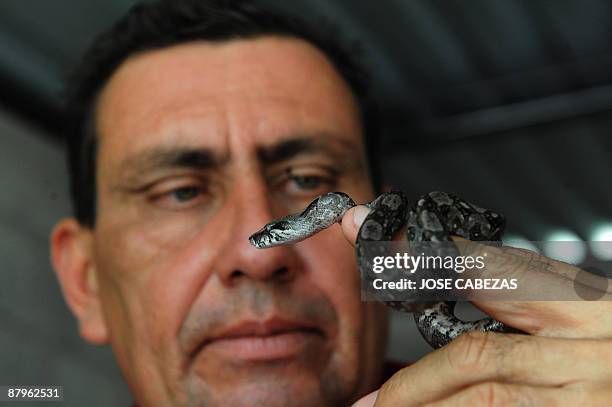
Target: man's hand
x=567, y=359
x=503, y=369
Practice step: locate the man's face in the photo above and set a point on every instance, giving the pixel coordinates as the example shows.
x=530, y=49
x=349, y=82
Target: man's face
x=199, y=146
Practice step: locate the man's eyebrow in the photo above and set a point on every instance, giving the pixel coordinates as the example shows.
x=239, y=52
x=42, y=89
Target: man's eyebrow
x=289, y=148
x=160, y=158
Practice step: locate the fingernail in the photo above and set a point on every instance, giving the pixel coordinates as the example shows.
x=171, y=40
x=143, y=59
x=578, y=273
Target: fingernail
x=359, y=214
x=367, y=401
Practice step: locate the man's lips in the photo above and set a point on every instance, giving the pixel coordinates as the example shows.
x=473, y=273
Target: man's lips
x=274, y=338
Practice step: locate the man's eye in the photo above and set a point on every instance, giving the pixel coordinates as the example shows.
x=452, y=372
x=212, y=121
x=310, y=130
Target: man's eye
x=308, y=182
x=179, y=198
x=186, y=194
x=305, y=181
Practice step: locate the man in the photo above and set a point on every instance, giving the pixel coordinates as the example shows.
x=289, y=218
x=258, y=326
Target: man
x=197, y=123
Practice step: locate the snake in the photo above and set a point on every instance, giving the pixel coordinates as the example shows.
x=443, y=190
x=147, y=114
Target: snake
x=436, y=217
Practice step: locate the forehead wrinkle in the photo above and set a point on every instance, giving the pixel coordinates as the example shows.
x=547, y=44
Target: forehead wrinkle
x=172, y=157
x=294, y=146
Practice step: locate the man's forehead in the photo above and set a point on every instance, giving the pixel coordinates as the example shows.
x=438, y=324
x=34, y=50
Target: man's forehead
x=180, y=95
x=275, y=64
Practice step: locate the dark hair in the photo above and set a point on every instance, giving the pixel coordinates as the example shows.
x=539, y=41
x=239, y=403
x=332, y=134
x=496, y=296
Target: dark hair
x=154, y=25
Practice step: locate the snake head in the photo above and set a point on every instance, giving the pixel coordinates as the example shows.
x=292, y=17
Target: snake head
x=322, y=212
x=272, y=234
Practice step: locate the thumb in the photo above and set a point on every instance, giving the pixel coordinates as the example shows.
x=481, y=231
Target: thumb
x=352, y=220
x=367, y=401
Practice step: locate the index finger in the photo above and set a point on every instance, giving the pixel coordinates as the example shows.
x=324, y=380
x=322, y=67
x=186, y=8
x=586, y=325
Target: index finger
x=548, y=300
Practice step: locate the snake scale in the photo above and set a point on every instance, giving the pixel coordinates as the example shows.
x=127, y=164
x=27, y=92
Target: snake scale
x=434, y=218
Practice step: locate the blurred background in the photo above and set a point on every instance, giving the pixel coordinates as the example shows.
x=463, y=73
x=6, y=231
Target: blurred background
x=505, y=102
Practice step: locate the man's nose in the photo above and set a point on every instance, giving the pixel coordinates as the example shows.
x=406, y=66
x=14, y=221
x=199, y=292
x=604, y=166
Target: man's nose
x=250, y=211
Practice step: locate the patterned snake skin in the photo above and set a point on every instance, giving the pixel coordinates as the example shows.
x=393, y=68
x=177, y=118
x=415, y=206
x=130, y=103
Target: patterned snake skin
x=435, y=217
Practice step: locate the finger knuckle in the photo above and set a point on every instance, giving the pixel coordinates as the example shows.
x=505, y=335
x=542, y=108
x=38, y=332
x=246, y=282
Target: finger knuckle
x=505, y=263
x=514, y=348
x=472, y=350
x=520, y=252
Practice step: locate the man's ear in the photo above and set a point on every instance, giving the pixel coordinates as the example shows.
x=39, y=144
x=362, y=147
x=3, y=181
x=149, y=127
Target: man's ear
x=71, y=256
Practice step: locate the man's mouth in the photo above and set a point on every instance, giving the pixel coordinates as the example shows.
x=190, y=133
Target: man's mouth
x=267, y=340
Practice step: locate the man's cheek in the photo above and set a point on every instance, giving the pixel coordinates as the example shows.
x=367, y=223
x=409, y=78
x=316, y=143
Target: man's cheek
x=334, y=269
x=146, y=241
x=343, y=274
x=141, y=279
x=145, y=300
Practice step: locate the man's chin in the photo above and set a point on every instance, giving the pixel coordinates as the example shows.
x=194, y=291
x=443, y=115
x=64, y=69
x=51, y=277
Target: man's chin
x=276, y=385
x=297, y=372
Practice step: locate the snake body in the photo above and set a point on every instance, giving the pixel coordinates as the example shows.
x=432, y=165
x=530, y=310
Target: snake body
x=434, y=218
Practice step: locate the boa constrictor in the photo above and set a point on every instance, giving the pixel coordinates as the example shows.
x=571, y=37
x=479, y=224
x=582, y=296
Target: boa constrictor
x=435, y=218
